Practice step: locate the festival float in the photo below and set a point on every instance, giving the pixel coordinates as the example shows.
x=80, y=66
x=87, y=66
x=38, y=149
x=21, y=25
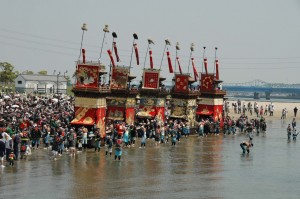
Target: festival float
x=152, y=93
x=212, y=96
x=121, y=99
x=184, y=97
x=97, y=102
x=90, y=95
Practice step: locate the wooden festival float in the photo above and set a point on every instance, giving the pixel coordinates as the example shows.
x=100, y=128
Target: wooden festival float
x=152, y=93
x=90, y=96
x=212, y=95
x=97, y=102
x=121, y=101
x=183, y=96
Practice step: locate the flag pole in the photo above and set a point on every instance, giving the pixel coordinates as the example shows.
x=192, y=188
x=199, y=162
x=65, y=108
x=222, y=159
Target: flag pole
x=146, y=55
x=192, y=49
x=83, y=28
x=112, y=51
x=162, y=56
x=177, y=48
x=135, y=37
x=105, y=30
x=216, y=48
x=203, y=58
x=149, y=42
x=168, y=43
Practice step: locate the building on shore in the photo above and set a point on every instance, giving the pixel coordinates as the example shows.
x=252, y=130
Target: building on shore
x=41, y=84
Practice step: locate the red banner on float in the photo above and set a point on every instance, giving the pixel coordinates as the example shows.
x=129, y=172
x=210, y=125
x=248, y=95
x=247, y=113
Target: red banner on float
x=169, y=62
x=136, y=54
x=84, y=116
x=119, y=78
x=207, y=82
x=160, y=114
x=130, y=112
x=87, y=76
x=217, y=69
x=218, y=109
x=203, y=109
x=151, y=79
x=195, y=70
x=100, y=115
x=177, y=58
x=181, y=83
x=211, y=110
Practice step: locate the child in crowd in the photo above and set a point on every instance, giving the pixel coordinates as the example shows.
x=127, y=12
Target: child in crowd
x=79, y=145
x=28, y=151
x=126, y=137
x=97, y=142
x=47, y=140
x=174, y=139
x=143, y=140
x=11, y=158
x=295, y=133
x=108, y=146
x=289, y=131
x=55, y=148
x=118, y=149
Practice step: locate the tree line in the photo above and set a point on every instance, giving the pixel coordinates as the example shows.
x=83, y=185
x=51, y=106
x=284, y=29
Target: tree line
x=8, y=74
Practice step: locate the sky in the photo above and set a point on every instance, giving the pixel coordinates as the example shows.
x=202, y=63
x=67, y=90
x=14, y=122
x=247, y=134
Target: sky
x=258, y=39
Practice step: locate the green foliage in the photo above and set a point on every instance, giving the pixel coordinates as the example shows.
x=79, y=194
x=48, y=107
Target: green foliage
x=28, y=72
x=7, y=75
x=43, y=72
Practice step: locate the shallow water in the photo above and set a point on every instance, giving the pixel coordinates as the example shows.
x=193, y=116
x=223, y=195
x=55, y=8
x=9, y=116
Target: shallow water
x=211, y=167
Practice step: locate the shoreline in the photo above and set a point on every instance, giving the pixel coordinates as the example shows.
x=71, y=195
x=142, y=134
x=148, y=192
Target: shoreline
x=278, y=107
x=283, y=100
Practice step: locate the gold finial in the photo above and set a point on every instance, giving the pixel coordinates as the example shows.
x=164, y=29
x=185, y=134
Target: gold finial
x=83, y=27
x=192, y=47
x=105, y=29
x=168, y=42
x=150, y=41
x=177, y=46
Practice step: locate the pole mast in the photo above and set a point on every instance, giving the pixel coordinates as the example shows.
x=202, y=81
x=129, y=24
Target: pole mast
x=105, y=30
x=112, y=51
x=216, y=48
x=149, y=42
x=192, y=49
x=203, y=58
x=167, y=43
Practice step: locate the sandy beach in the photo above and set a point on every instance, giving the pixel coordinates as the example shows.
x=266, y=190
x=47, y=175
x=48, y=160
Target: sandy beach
x=278, y=107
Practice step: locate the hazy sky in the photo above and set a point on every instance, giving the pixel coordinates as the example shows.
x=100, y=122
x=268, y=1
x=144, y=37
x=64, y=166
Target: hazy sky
x=258, y=39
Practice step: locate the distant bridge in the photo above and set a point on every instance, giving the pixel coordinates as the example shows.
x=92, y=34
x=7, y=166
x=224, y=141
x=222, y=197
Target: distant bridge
x=260, y=83
x=252, y=89
x=253, y=86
